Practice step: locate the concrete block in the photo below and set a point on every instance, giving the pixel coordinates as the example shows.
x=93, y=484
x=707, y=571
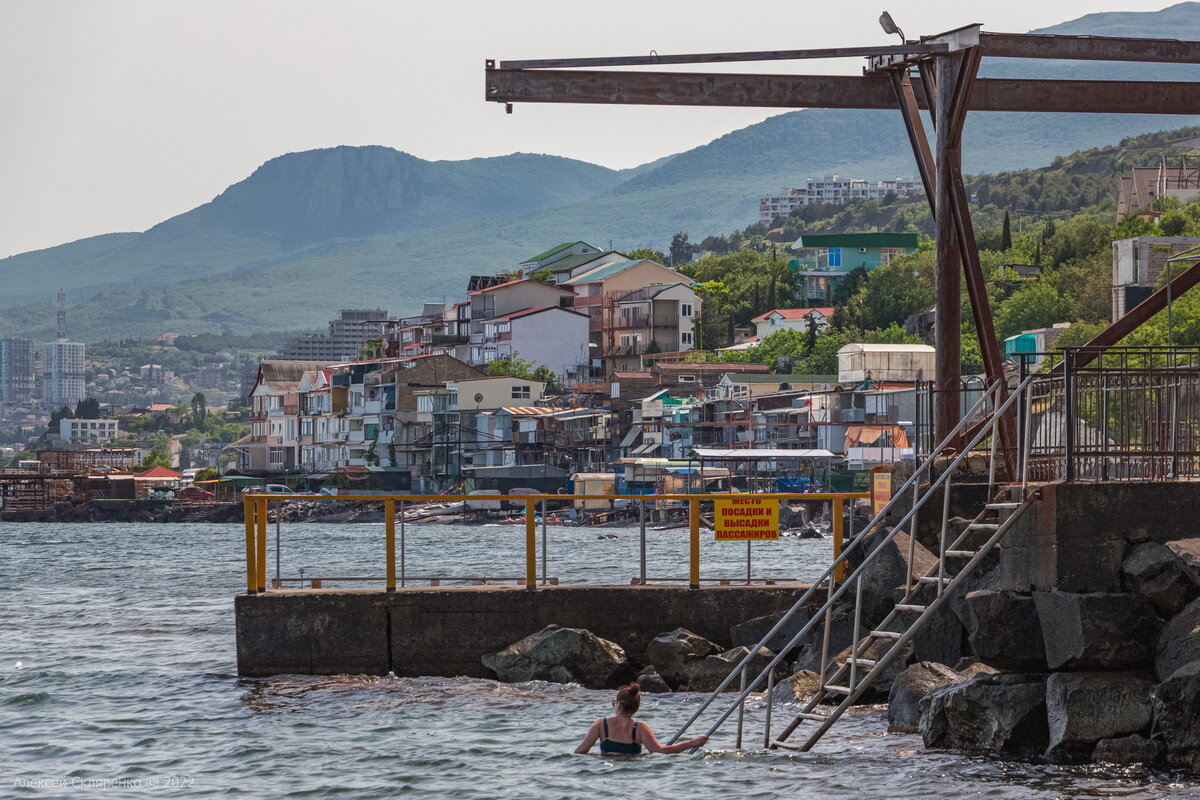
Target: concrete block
x=1004, y=630
x=1097, y=630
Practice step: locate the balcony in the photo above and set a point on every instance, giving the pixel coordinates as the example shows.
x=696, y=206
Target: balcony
x=258, y=416
x=291, y=411
x=355, y=437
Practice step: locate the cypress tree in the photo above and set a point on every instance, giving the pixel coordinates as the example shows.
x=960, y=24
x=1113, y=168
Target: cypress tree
x=1006, y=234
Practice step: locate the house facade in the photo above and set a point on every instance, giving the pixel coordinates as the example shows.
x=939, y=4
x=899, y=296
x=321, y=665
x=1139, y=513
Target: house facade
x=825, y=259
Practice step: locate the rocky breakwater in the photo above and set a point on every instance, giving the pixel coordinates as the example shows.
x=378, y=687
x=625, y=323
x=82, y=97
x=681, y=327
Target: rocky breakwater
x=1100, y=676
x=676, y=660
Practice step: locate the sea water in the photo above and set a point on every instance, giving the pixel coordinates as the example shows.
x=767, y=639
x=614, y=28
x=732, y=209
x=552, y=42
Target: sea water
x=118, y=679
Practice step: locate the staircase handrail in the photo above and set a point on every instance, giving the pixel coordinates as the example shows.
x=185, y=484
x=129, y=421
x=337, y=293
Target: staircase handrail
x=827, y=575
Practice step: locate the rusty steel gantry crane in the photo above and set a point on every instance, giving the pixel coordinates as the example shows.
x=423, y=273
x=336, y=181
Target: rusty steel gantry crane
x=935, y=73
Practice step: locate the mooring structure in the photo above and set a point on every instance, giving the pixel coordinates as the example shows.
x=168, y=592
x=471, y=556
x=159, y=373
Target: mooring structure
x=938, y=74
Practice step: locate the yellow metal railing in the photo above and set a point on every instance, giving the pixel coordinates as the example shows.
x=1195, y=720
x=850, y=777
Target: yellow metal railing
x=255, y=508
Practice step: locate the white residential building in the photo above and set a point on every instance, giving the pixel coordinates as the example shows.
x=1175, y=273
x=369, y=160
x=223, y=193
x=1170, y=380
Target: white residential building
x=830, y=190
x=87, y=431
x=63, y=373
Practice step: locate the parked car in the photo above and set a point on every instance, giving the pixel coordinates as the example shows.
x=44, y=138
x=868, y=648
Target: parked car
x=196, y=493
x=270, y=488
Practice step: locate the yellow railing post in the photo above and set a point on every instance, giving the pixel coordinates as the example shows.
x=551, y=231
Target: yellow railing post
x=839, y=571
x=389, y=513
x=251, y=561
x=530, y=547
x=262, y=544
x=694, y=543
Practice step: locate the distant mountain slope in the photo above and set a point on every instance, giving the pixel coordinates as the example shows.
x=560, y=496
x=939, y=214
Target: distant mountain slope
x=310, y=232
x=300, y=205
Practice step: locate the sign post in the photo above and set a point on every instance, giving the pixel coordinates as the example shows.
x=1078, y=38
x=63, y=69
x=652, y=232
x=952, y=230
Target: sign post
x=881, y=490
x=746, y=519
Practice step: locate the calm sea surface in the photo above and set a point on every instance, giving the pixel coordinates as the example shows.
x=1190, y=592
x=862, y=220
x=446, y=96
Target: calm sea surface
x=126, y=686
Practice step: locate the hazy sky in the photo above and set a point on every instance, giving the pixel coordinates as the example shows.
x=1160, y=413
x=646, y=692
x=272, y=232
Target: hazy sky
x=120, y=113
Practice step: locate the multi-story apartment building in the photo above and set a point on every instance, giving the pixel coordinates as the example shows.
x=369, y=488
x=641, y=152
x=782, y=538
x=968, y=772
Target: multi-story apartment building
x=87, y=431
x=830, y=190
x=274, y=441
x=825, y=259
x=631, y=304
x=531, y=318
x=1137, y=263
x=63, y=373
x=16, y=372
x=348, y=334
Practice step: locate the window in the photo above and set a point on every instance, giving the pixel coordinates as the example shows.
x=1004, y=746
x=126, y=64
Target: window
x=520, y=392
x=452, y=396
x=835, y=256
x=595, y=289
x=685, y=337
x=685, y=309
x=687, y=378
x=424, y=404
x=276, y=456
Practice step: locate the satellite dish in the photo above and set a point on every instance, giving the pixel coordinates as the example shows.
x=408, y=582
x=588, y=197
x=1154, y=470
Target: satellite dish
x=479, y=397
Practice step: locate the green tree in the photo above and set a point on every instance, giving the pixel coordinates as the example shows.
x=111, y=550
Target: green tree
x=199, y=410
x=545, y=275
x=1037, y=305
x=517, y=367
x=87, y=408
x=159, y=456
x=681, y=249
x=647, y=253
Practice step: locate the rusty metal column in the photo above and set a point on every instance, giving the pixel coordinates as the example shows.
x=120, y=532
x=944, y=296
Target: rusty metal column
x=261, y=520
x=948, y=277
x=694, y=543
x=530, y=547
x=389, y=516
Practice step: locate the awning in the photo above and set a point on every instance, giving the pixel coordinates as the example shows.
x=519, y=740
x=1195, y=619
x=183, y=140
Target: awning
x=646, y=449
x=631, y=436
x=760, y=454
x=863, y=435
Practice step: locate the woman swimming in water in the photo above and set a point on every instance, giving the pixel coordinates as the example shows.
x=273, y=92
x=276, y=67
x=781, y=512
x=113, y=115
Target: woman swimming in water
x=622, y=735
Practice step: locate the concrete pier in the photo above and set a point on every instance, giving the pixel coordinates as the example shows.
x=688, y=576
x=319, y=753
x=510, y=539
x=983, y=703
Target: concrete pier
x=446, y=631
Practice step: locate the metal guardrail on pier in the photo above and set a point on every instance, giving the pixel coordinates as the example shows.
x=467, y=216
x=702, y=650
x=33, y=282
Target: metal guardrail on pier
x=256, y=507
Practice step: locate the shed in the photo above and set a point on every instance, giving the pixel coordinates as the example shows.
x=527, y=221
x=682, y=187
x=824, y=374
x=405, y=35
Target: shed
x=906, y=363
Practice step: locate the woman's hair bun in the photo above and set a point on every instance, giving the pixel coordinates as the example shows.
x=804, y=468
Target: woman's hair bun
x=634, y=688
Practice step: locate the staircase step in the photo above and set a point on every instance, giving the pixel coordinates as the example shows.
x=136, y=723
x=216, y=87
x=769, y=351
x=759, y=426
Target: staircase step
x=862, y=662
x=785, y=745
x=960, y=554
x=810, y=717
x=886, y=634
x=909, y=607
x=934, y=580
x=983, y=526
x=1003, y=506
x=829, y=687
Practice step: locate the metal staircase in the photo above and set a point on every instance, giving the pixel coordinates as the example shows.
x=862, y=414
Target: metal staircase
x=873, y=647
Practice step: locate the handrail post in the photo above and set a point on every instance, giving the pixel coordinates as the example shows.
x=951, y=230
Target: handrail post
x=545, y=554
x=642, y=525
x=1069, y=411
x=694, y=543
x=251, y=565
x=839, y=571
x=389, y=514
x=262, y=545
x=530, y=546
x=402, y=553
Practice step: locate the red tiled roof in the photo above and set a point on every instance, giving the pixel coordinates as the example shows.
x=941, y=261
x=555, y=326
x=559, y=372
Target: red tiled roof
x=795, y=313
x=683, y=366
x=634, y=376
x=159, y=472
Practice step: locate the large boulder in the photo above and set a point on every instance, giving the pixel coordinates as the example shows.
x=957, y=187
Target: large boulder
x=1004, y=630
x=841, y=633
x=912, y=686
x=798, y=687
x=651, y=682
x=1154, y=571
x=751, y=632
x=1133, y=749
x=1083, y=708
x=1176, y=709
x=1188, y=551
x=1001, y=713
x=888, y=570
x=674, y=652
x=706, y=675
x=1097, y=630
x=562, y=655
x=1179, y=642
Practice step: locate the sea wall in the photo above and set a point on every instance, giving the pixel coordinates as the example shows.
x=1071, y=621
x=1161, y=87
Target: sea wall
x=440, y=631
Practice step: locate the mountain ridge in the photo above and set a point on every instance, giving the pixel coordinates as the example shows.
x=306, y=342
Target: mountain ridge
x=310, y=231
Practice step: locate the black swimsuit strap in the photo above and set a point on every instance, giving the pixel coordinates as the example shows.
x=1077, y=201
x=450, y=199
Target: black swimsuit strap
x=604, y=722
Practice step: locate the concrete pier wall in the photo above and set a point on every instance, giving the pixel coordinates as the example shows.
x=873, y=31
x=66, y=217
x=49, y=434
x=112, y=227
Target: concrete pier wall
x=439, y=631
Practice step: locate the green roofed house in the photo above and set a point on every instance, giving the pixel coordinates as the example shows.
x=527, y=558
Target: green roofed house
x=557, y=253
x=824, y=259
